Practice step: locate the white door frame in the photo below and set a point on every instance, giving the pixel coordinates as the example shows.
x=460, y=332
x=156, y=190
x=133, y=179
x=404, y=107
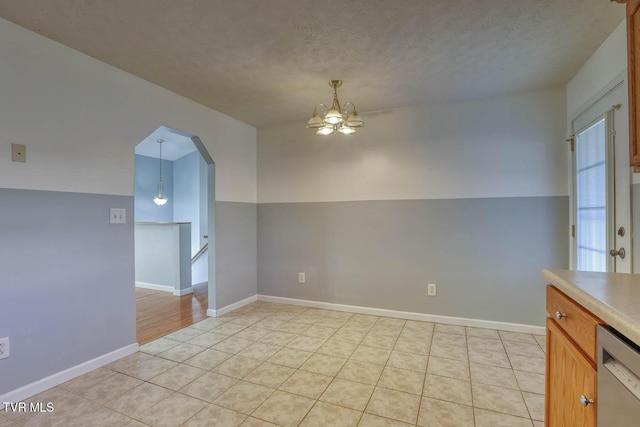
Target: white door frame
x=615, y=92
x=211, y=232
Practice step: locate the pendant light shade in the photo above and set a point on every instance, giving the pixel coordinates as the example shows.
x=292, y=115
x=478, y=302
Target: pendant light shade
x=315, y=121
x=354, y=120
x=160, y=198
x=333, y=117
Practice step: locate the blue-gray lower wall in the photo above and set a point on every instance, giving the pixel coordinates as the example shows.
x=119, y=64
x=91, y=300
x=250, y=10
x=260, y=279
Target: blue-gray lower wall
x=66, y=281
x=236, y=252
x=485, y=255
x=635, y=226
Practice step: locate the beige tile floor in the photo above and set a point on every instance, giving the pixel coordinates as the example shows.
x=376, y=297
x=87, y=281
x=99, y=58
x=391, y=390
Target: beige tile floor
x=272, y=364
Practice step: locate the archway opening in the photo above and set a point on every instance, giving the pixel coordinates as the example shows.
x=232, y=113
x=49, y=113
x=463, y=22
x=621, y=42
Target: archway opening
x=174, y=239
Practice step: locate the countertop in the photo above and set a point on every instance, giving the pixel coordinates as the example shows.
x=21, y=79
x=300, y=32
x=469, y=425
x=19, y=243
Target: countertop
x=613, y=297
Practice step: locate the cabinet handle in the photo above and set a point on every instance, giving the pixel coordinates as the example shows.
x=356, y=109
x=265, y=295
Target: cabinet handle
x=559, y=315
x=586, y=402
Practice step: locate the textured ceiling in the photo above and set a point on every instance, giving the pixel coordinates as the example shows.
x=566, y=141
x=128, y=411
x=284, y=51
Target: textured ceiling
x=267, y=62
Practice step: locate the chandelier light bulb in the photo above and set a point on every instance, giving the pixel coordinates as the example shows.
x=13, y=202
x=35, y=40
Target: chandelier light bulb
x=346, y=130
x=325, y=130
x=333, y=117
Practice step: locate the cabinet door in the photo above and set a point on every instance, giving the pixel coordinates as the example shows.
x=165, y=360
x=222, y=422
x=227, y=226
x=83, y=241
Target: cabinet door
x=633, y=64
x=569, y=377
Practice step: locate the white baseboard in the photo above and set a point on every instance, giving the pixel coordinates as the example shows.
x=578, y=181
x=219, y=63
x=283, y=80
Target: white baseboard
x=56, y=379
x=181, y=292
x=461, y=321
x=153, y=286
x=165, y=288
x=236, y=305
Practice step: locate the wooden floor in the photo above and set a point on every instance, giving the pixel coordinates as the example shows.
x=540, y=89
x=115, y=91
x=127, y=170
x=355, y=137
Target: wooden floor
x=159, y=313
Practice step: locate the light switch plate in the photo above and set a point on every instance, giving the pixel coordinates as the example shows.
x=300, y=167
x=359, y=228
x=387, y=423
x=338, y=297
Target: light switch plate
x=117, y=216
x=4, y=348
x=19, y=153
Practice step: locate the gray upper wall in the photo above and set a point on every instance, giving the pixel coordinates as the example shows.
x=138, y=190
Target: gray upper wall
x=509, y=146
x=81, y=120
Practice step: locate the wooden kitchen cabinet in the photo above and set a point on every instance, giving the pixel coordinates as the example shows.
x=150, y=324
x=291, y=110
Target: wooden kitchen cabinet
x=633, y=69
x=571, y=376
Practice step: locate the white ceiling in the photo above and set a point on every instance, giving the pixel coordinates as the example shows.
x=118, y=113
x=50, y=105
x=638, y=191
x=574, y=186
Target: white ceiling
x=268, y=62
x=175, y=144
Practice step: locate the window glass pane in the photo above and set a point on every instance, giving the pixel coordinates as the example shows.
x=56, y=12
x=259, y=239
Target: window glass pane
x=591, y=198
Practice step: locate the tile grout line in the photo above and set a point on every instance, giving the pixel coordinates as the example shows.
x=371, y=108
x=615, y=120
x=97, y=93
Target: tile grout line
x=473, y=405
x=426, y=372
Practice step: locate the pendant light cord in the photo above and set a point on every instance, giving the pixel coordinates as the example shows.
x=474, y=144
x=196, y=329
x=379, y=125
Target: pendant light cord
x=160, y=161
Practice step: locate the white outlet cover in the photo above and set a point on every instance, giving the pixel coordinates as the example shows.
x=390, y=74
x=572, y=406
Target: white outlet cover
x=19, y=153
x=4, y=348
x=431, y=289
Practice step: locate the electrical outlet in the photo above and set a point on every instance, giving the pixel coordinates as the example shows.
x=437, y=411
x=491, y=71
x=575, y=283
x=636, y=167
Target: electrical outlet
x=4, y=348
x=19, y=153
x=301, y=278
x=431, y=289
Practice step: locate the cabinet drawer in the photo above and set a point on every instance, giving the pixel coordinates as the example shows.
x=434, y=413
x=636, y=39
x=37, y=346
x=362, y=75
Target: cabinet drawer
x=578, y=323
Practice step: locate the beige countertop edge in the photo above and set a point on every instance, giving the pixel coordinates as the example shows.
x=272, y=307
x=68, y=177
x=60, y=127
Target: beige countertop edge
x=582, y=294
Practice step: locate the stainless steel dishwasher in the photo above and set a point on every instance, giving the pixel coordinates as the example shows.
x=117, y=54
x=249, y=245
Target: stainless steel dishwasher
x=618, y=380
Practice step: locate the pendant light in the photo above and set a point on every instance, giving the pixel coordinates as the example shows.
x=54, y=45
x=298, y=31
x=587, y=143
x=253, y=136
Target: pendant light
x=336, y=118
x=160, y=199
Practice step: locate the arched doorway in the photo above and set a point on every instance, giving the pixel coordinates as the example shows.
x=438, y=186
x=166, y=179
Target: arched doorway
x=174, y=239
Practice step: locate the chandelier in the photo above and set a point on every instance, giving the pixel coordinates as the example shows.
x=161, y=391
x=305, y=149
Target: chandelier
x=336, y=118
x=160, y=199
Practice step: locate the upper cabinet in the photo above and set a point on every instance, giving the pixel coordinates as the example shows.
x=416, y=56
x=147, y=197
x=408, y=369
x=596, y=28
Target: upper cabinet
x=633, y=66
x=633, y=59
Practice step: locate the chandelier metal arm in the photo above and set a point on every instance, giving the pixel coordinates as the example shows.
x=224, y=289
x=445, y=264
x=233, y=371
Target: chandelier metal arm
x=315, y=109
x=344, y=108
